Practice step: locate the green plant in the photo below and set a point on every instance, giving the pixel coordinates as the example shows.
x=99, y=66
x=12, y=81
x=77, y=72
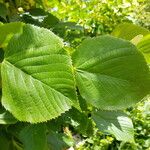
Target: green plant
x=51, y=90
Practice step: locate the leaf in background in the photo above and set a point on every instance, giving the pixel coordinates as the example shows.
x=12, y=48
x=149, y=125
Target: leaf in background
x=128, y=31
x=3, y=10
x=7, y=118
x=27, y=18
x=8, y=30
x=33, y=137
x=37, y=79
x=78, y=120
x=144, y=47
x=116, y=123
x=110, y=73
x=136, y=39
x=50, y=21
x=59, y=141
x=38, y=12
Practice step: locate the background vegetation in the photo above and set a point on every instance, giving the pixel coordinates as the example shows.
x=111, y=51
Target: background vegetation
x=75, y=20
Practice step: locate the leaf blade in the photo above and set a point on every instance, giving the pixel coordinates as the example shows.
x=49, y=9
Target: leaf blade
x=34, y=137
x=105, y=69
x=35, y=91
x=131, y=31
x=8, y=30
x=116, y=123
x=144, y=47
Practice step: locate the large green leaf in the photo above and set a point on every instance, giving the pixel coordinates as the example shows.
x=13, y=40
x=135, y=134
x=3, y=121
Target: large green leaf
x=116, y=123
x=8, y=30
x=110, y=72
x=144, y=47
x=33, y=137
x=128, y=31
x=37, y=79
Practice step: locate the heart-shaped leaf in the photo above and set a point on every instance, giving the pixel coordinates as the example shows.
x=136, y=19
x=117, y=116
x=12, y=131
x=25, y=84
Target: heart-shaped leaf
x=110, y=73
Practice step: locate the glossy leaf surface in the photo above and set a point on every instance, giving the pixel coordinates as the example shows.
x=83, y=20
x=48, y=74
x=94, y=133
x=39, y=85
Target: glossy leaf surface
x=110, y=73
x=37, y=79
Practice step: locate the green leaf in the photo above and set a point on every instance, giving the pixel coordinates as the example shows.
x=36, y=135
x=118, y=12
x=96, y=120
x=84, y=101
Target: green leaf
x=27, y=18
x=7, y=118
x=50, y=21
x=116, y=123
x=110, y=73
x=33, y=137
x=37, y=12
x=144, y=47
x=128, y=31
x=3, y=10
x=37, y=79
x=136, y=39
x=8, y=30
x=59, y=141
x=78, y=120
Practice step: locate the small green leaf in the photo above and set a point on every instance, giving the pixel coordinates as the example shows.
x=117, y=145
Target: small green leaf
x=80, y=122
x=116, y=123
x=7, y=118
x=50, y=21
x=144, y=47
x=33, y=137
x=37, y=78
x=59, y=141
x=128, y=31
x=110, y=73
x=37, y=12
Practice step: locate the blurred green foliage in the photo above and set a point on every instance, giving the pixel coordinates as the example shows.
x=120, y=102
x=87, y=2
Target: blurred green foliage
x=75, y=20
x=141, y=120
